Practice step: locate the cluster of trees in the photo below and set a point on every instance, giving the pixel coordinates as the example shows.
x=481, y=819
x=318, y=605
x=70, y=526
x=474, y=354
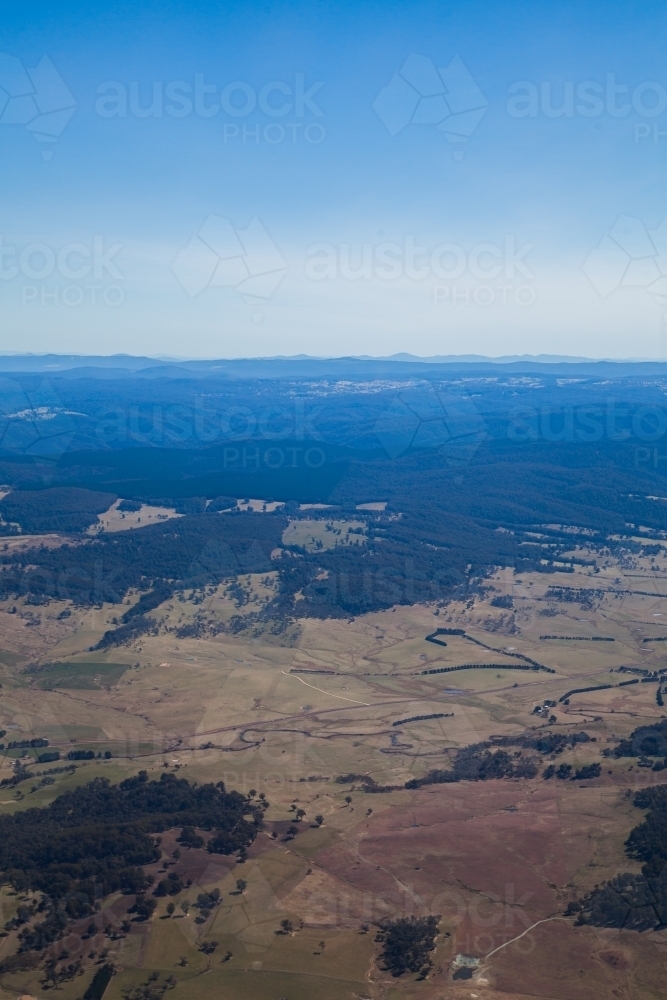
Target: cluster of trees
x=585, y=597
x=565, y=698
x=502, y=601
x=489, y=759
x=129, y=506
x=221, y=503
x=484, y=666
x=564, y=771
x=366, y=782
x=644, y=741
x=474, y=764
x=635, y=902
x=169, y=886
x=37, y=741
x=206, y=903
x=95, y=839
x=588, y=771
x=546, y=742
x=580, y=638
x=61, y=508
x=153, y=989
x=422, y=718
x=21, y=773
x=648, y=841
x=408, y=943
x=632, y=902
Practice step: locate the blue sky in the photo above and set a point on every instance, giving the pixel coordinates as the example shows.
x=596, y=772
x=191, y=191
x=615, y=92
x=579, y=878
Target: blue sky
x=489, y=237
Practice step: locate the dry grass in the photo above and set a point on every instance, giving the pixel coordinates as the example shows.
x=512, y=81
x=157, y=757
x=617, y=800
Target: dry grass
x=116, y=520
x=323, y=534
x=231, y=708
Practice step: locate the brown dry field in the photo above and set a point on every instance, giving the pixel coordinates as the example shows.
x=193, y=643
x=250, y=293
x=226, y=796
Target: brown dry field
x=493, y=858
x=116, y=520
x=313, y=534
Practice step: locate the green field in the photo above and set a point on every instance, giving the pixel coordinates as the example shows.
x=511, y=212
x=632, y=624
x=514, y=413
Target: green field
x=253, y=984
x=81, y=676
x=9, y=659
x=314, y=534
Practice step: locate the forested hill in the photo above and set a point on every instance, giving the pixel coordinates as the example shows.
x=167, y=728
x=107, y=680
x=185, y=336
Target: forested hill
x=595, y=485
x=64, y=509
x=93, y=840
x=187, y=551
x=475, y=473
x=442, y=530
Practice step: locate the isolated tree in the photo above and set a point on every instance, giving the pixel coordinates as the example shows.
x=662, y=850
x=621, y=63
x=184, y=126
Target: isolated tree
x=170, y=908
x=348, y=799
x=208, y=947
x=241, y=885
x=300, y=813
x=319, y=819
x=321, y=945
x=286, y=926
x=185, y=906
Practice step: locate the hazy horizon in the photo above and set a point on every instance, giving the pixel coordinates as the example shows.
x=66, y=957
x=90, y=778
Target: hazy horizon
x=400, y=356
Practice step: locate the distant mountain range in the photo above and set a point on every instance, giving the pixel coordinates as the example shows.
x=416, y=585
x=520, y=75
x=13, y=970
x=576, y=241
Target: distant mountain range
x=304, y=366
